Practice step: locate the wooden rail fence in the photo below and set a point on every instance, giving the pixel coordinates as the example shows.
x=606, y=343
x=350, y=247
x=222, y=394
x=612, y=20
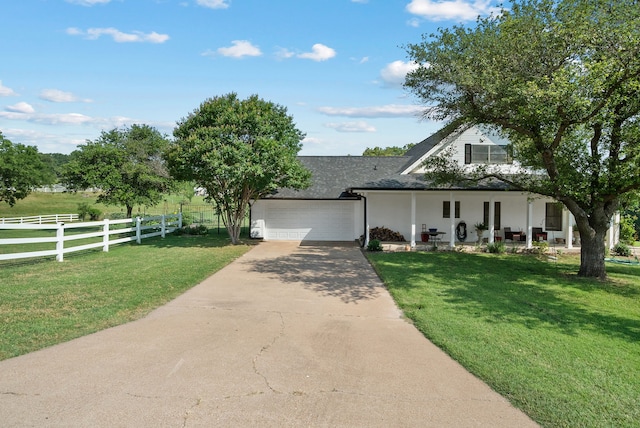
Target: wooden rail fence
x=98, y=233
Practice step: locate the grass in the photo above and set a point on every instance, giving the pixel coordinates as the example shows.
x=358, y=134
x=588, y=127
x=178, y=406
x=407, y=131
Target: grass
x=43, y=302
x=565, y=350
x=40, y=203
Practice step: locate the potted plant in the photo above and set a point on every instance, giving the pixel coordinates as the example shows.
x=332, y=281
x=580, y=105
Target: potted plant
x=480, y=228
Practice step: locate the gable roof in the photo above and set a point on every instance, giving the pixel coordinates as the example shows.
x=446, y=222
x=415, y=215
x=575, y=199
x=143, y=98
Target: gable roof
x=332, y=176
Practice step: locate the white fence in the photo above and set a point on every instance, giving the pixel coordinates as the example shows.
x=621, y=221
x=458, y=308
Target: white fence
x=101, y=233
x=40, y=219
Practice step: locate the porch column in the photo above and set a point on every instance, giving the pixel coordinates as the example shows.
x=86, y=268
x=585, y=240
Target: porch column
x=413, y=219
x=615, y=220
x=366, y=216
x=568, y=220
x=492, y=218
x=452, y=220
x=529, y=221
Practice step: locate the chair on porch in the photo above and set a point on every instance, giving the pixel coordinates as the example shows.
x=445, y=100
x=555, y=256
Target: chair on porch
x=509, y=234
x=538, y=234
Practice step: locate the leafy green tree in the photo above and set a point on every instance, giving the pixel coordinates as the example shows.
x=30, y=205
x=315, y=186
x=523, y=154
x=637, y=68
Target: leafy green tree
x=125, y=164
x=561, y=80
x=387, y=151
x=238, y=150
x=21, y=169
x=54, y=163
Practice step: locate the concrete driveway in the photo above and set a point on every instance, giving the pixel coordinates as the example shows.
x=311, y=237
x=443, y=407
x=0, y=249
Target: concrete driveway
x=287, y=335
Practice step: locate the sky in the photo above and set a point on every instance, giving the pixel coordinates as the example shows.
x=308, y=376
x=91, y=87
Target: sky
x=71, y=69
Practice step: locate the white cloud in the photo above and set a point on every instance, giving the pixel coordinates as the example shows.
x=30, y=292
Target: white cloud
x=284, y=53
x=359, y=126
x=390, y=110
x=21, y=107
x=88, y=2
x=119, y=36
x=58, y=96
x=213, y=4
x=441, y=10
x=238, y=49
x=6, y=92
x=319, y=52
x=395, y=72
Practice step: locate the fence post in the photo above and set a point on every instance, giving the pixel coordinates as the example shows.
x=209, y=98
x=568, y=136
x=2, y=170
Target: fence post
x=180, y=220
x=163, y=226
x=60, y=242
x=138, y=225
x=105, y=237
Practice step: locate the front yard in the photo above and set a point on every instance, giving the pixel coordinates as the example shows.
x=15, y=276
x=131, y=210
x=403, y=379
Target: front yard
x=564, y=349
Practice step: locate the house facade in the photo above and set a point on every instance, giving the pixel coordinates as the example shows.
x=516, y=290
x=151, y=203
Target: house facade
x=350, y=195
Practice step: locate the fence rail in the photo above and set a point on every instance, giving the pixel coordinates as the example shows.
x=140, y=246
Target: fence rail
x=99, y=233
x=39, y=219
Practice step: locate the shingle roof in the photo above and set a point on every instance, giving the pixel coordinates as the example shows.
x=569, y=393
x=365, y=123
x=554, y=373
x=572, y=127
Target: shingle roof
x=331, y=176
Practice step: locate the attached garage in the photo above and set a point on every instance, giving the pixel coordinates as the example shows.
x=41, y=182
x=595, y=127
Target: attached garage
x=305, y=220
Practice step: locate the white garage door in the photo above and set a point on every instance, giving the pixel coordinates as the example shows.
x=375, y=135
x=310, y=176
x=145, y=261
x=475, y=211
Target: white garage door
x=309, y=220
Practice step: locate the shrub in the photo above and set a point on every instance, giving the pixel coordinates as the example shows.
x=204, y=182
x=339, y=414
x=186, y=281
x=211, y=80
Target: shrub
x=497, y=247
x=628, y=228
x=374, y=245
x=540, y=247
x=622, y=250
x=199, y=230
x=84, y=210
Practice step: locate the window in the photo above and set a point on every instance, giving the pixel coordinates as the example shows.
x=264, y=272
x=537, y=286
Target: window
x=496, y=215
x=487, y=154
x=446, y=209
x=553, y=216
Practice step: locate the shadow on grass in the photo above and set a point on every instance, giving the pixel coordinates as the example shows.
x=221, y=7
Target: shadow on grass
x=336, y=271
x=516, y=289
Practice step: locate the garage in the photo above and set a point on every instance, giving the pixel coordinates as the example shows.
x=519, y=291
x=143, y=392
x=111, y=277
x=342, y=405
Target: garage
x=307, y=220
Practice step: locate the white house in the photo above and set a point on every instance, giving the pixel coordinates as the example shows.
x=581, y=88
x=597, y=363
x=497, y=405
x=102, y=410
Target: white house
x=350, y=195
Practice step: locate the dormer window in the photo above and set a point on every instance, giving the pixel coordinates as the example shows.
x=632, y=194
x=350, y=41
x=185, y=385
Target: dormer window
x=486, y=154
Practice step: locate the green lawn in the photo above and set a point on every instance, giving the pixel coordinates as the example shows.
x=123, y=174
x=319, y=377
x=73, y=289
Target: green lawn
x=44, y=302
x=565, y=350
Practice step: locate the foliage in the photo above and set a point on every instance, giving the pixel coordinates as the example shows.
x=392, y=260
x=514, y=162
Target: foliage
x=628, y=232
x=21, y=169
x=387, y=151
x=239, y=151
x=84, y=210
x=125, y=164
x=54, y=163
x=621, y=250
x=563, y=349
x=196, y=230
x=561, y=80
x=481, y=226
x=540, y=247
x=374, y=245
x=497, y=247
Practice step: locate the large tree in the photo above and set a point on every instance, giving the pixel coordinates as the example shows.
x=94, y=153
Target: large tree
x=21, y=169
x=239, y=151
x=561, y=80
x=125, y=164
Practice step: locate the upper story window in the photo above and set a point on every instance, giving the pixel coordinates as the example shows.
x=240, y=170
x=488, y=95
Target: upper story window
x=486, y=154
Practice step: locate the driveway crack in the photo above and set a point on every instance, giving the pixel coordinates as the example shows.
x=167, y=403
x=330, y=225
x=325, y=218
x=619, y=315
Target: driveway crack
x=263, y=350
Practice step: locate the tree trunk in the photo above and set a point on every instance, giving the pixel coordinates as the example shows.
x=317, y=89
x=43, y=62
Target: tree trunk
x=234, y=233
x=129, y=211
x=592, y=254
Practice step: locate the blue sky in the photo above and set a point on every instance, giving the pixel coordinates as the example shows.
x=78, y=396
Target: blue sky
x=71, y=68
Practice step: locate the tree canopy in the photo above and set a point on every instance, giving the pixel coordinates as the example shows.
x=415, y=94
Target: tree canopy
x=125, y=164
x=239, y=151
x=387, y=151
x=21, y=169
x=561, y=80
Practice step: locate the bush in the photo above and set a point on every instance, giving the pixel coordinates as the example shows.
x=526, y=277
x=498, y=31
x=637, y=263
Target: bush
x=84, y=210
x=628, y=232
x=199, y=230
x=540, y=247
x=621, y=250
x=497, y=247
x=374, y=245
